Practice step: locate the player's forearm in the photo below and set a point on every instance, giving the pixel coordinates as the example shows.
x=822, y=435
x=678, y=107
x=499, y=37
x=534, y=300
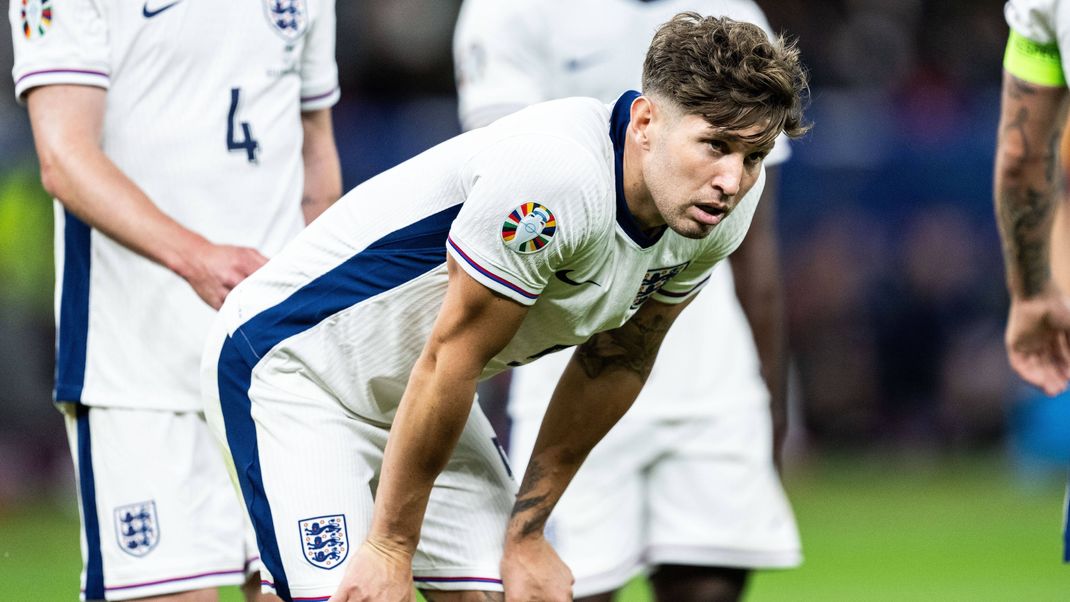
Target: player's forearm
x=599, y=385
x=75, y=170
x=429, y=421
x=323, y=171
x=90, y=186
x=1025, y=182
x=588, y=401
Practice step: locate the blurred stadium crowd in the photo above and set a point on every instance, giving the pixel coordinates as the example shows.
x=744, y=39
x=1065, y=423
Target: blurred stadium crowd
x=894, y=283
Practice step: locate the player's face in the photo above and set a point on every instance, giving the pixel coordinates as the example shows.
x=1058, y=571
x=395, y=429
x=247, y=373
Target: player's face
x=696, y=174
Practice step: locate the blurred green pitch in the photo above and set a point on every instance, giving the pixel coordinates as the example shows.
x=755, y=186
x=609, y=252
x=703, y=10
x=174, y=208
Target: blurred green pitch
x=873, y=530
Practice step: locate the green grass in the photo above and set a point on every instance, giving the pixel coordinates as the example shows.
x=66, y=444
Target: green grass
x=872, y=530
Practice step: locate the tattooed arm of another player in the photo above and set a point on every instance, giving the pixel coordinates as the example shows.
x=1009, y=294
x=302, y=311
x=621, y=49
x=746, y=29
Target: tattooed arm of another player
x=1025, y=196
x=599, y=384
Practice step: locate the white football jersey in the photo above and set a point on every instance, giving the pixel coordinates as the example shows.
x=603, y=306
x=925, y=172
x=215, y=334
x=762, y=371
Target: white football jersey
x=511, y=54
x=203, y=113
x=1043, y=21
x=531, y=207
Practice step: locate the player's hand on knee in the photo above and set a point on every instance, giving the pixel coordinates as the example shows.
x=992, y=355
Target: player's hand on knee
x=532, y=571
x=216, y=269
x=377, y=573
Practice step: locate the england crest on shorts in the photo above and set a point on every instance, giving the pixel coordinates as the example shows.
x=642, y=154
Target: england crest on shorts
x=289, y=18
x=137, y=527
x=324, y=540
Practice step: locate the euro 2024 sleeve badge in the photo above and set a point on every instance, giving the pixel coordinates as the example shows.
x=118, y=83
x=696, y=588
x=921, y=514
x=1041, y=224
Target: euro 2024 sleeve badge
x=529, y=228
x=324, y=540
x=36, y=18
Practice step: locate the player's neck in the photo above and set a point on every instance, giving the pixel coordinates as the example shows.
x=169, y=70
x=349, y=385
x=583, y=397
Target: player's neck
x=636, y=194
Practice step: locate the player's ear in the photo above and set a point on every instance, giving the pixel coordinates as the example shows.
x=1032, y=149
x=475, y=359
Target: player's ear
x=642, y=116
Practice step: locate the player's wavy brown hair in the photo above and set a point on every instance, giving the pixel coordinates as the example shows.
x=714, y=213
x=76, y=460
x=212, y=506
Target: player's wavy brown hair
x=730, y=73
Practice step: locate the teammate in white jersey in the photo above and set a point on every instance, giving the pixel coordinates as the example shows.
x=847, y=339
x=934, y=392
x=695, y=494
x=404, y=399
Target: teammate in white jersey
x=1032, y=116
x=570, y=222
x=685, y=485
x=183, y=141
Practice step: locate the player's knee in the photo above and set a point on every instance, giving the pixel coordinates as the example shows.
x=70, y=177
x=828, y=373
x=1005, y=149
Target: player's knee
x=681, y=583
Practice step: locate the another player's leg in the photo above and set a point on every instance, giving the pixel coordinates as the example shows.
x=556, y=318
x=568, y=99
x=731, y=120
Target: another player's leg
x=717, y=509
x=251, y=590
x=160, y=520
x=680, y=583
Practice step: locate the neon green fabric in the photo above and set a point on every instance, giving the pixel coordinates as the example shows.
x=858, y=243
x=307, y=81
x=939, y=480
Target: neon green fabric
x=1033, y=62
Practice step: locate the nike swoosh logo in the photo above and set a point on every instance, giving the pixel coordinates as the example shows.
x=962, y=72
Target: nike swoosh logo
x=562, y=275
x=148, y=14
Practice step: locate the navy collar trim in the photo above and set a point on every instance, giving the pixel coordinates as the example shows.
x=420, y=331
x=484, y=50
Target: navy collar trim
x=618, y=132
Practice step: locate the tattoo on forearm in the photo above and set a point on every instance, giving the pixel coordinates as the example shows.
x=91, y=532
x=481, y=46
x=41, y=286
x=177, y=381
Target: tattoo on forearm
x=1026, y=203
x=1017, y=127
x=535, y=504
x=632, y=347
x=1026, y=219
x=1019, y=88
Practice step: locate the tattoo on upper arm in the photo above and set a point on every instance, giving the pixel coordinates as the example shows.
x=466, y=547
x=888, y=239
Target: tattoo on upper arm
x=526, y=502
x=632, y=347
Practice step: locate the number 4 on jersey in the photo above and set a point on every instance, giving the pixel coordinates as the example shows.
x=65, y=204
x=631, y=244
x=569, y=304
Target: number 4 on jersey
x=247, y=143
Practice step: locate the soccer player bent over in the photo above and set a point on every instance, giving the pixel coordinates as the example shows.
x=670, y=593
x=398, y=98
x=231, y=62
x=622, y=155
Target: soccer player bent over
x=684, y=488
x=342, y=375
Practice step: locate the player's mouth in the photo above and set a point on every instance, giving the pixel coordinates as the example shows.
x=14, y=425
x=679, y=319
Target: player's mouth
x=711, y=213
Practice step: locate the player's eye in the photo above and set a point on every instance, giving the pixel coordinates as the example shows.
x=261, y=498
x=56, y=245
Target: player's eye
x=756, y=158
x=719, y=146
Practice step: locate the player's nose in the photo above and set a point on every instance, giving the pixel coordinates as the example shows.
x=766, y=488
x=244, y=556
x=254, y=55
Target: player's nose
x=729, y=174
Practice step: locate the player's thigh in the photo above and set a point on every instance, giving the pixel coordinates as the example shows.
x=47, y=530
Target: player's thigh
x=464, y=526
x=159, y=513
x=306, y=470
x=598, y=525
x=716, y=500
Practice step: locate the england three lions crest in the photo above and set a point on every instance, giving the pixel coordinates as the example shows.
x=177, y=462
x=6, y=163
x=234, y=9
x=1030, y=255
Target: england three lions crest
x=289, y=18
x=137, y=527
x=324, y=540
x=654, y=280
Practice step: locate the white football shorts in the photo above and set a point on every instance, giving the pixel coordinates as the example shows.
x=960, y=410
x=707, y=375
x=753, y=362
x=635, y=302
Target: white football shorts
x=700, y=491
x=308, y=467
x=159, y=512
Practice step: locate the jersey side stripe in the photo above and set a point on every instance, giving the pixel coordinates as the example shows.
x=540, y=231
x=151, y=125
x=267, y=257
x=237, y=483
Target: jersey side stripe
x=234, y=378
x=73, y=310
x=378, y=268
x=87, y=490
